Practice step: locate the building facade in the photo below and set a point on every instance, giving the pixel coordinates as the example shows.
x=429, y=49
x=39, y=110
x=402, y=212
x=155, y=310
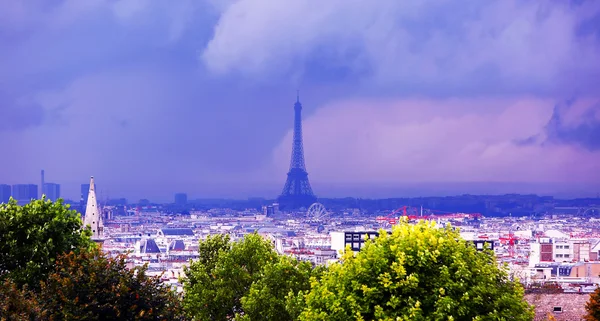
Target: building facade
x=24, y=193
x=5, y=193
x=181, y=199
x=51, y=190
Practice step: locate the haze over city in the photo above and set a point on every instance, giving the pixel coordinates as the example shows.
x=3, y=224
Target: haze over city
x=399, y=98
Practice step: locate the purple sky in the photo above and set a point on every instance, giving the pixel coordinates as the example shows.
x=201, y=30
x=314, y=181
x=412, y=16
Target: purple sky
x=155, y=97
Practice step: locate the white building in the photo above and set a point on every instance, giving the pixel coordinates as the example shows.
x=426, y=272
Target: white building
x=92, y=216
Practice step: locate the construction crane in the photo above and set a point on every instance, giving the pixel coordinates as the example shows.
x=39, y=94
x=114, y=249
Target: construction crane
x=511, y=241
x=391, y=219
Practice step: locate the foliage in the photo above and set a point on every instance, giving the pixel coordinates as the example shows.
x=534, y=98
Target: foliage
x=216, y=283
x=593, y=306
x=266, y=299
x=91, y=286
x=419, y=272
x=33, y=235
x=17, y=304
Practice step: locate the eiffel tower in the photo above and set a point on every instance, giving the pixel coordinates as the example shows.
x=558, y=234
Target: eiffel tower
x=297, y=191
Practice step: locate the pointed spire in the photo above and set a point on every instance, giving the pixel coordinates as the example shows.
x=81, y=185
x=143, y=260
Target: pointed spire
x=298, y=95
x=92, y=217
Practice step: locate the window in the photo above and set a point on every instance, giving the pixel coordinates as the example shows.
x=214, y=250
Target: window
x=559, y=255
x=567, y=255
x=557, y=310
x=566, y=247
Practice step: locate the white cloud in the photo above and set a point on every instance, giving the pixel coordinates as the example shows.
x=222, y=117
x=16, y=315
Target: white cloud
x=529, y=43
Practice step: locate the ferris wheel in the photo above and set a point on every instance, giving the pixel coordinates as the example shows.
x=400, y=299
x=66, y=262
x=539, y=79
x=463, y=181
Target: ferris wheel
x=316, y=212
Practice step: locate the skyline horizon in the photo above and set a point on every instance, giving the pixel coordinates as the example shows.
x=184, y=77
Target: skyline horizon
x=270, y=190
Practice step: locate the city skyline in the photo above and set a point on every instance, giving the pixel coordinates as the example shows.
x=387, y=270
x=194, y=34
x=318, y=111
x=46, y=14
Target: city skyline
x=398, y=97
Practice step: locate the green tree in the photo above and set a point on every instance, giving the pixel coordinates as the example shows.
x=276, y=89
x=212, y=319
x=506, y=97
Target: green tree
x=215, y=284
x=91, y=286
x=32, y=236
x=418, y=272
x=266, y=299
x=17, y=304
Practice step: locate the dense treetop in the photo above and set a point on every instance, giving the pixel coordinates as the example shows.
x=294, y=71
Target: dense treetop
x=33, y=235
x=419, y=272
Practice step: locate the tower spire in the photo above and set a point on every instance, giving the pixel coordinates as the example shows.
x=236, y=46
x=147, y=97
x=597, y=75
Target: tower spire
x=297, y=191
x=92, y=218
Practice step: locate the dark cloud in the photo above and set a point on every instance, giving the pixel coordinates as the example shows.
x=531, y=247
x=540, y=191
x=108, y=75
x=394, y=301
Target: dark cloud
x=584, y=132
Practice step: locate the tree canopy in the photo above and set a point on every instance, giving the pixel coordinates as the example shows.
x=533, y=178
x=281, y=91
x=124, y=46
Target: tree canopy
x=17, y=304
x=91, y=286
x=217, y=281
x=34, y=235
x=418, y=272
x=283, y=278
x=247, y=280
x=593, y=306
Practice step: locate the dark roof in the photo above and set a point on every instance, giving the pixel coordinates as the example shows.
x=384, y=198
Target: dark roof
x=149, y=246
x=178, y=231
x=177, y=245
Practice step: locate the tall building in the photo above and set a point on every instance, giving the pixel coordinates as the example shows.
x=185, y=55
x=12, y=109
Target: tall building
x=5, y=193
x=297, y=191
x=92, y=216
x=43, y=183
x=24, y=193
x=85, y=189
x=181, y=199
x=52, y=191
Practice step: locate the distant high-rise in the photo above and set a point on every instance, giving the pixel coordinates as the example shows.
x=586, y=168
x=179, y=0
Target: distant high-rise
x=297, y=191
x=52, y=191
x=43, y=183
x=180, y=199
x=85, y=189
x=24, y=193
x=5, y=193
x=92, y=216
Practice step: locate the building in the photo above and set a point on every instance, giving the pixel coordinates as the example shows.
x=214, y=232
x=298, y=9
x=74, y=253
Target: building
x=85, y=188
x=357, y=240
x=24, y=193
x=5, y=193
x=561, y=306
x=268, y=210
x=92, y=216
x=181, y=199
x=297, y=192
x=51, y=190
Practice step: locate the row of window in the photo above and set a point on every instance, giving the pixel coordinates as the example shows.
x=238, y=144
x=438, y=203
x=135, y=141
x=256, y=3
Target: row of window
x=566, y=247
x=563, y=255
x=360, y=237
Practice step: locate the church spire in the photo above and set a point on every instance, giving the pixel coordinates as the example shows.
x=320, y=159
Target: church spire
x=92, y=218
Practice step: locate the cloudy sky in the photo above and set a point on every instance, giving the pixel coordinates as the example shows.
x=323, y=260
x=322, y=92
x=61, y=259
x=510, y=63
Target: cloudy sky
x=408, y=97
